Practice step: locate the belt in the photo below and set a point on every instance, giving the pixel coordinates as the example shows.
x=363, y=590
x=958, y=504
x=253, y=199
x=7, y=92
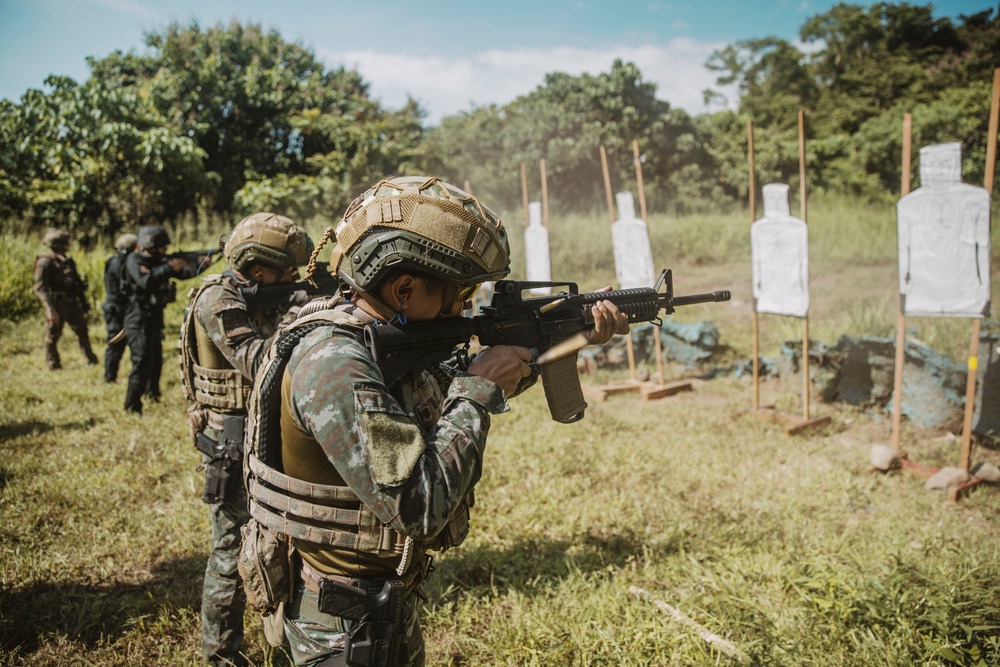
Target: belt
x=311, y=578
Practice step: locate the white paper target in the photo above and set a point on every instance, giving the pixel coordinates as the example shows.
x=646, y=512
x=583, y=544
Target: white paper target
x=779, y=255
x=536, y=249
x=944, y=240
x=633, y=254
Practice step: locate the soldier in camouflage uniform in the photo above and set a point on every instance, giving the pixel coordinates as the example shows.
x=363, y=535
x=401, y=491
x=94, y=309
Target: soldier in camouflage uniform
x=63, y=294
x=363, y=479
x=113, y=307
x=223, y=340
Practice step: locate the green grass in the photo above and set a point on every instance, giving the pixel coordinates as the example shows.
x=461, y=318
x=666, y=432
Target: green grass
x=786, y=547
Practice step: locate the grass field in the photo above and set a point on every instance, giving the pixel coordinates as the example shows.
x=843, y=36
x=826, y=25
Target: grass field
x=786, y=548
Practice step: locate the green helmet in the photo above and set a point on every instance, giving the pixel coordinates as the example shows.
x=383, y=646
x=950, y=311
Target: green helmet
x=125, y=243
x=55, y=237
x=269, y=239
x=423, y=225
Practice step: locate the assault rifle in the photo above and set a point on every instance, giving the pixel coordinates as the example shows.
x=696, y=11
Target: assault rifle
x=549, y=324
x=320, y=283
x=197, y=260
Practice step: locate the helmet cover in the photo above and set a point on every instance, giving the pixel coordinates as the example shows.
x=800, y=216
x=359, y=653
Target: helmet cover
x=423, y=225
x=269, y=239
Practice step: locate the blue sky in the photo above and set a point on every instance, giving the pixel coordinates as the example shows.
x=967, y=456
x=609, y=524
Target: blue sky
x=449, y=55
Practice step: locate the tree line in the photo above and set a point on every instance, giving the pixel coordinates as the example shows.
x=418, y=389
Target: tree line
x=234, y=118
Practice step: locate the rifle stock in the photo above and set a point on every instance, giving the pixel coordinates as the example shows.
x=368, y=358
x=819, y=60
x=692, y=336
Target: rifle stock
x=538, y=323
x=321, y=283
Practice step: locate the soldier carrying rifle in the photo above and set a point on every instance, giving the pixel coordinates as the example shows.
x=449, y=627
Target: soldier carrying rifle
x=223, y=339
x=359, y=476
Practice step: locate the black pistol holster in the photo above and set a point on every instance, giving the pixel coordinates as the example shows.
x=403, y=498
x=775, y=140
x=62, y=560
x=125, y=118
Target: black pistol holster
x=374, y=641
x=225, y=462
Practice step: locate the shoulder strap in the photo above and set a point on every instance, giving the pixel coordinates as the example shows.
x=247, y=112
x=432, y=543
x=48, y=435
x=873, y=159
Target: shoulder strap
x=268, y=395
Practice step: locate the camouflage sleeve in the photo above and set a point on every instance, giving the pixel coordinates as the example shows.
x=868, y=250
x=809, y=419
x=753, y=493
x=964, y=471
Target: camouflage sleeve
x=410, y=478
x=224, y=317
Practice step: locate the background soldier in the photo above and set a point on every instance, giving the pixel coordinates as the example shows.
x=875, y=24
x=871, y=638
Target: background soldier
x=63, y=294
x=369, y=477
x=114, y=304
x=148, y=290
x=224, y=337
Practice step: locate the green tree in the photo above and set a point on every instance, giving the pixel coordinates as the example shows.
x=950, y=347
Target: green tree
x=352, y=151
x=565, y=121
x=93, y=158
x=233, y=90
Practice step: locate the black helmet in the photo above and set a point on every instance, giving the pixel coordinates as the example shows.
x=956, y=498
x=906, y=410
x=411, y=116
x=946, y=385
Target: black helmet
x=153, y=236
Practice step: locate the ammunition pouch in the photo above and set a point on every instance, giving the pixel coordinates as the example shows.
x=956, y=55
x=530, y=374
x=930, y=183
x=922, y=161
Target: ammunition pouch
x=374, y=640
x=265, y=567
x=225, y=458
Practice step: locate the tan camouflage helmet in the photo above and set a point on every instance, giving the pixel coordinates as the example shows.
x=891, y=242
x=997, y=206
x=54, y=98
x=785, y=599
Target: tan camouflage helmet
x=269, y=239
x=55, y=237
x=423, y=225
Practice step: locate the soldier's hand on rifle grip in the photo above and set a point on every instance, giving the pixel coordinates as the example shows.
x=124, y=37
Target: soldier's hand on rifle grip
x=504, y=365
x=177, y=263
x=608, y=321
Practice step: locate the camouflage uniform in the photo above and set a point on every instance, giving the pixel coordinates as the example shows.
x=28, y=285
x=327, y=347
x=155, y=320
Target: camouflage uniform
x=58, y=285
x=228, y=327
x=351, y=482
x=391, y=445
x=241, y=335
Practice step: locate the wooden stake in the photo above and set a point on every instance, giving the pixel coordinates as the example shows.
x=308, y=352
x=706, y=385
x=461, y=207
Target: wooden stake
x=971, y=378
x=897, y=383
x=467, y=187
x=657, y=344
x=524, y=194
x=755, y=390
x=638, y=180
x=802, y=209
x=545, y=194
x=611, y=216
x=607, y=184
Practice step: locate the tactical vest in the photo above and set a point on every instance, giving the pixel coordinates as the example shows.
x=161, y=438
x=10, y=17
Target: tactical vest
x=207, y=377
x=63, y=278
x=308, y=511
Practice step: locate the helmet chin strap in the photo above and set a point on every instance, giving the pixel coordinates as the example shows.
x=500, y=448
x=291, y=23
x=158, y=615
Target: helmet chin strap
x=385, y=311
x=448, y=297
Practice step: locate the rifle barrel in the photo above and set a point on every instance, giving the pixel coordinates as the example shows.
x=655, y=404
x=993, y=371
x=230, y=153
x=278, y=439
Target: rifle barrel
x=710, y=297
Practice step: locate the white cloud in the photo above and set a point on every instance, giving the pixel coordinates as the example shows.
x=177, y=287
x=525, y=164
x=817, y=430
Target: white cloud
x=132, y=8
x=445, y=85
